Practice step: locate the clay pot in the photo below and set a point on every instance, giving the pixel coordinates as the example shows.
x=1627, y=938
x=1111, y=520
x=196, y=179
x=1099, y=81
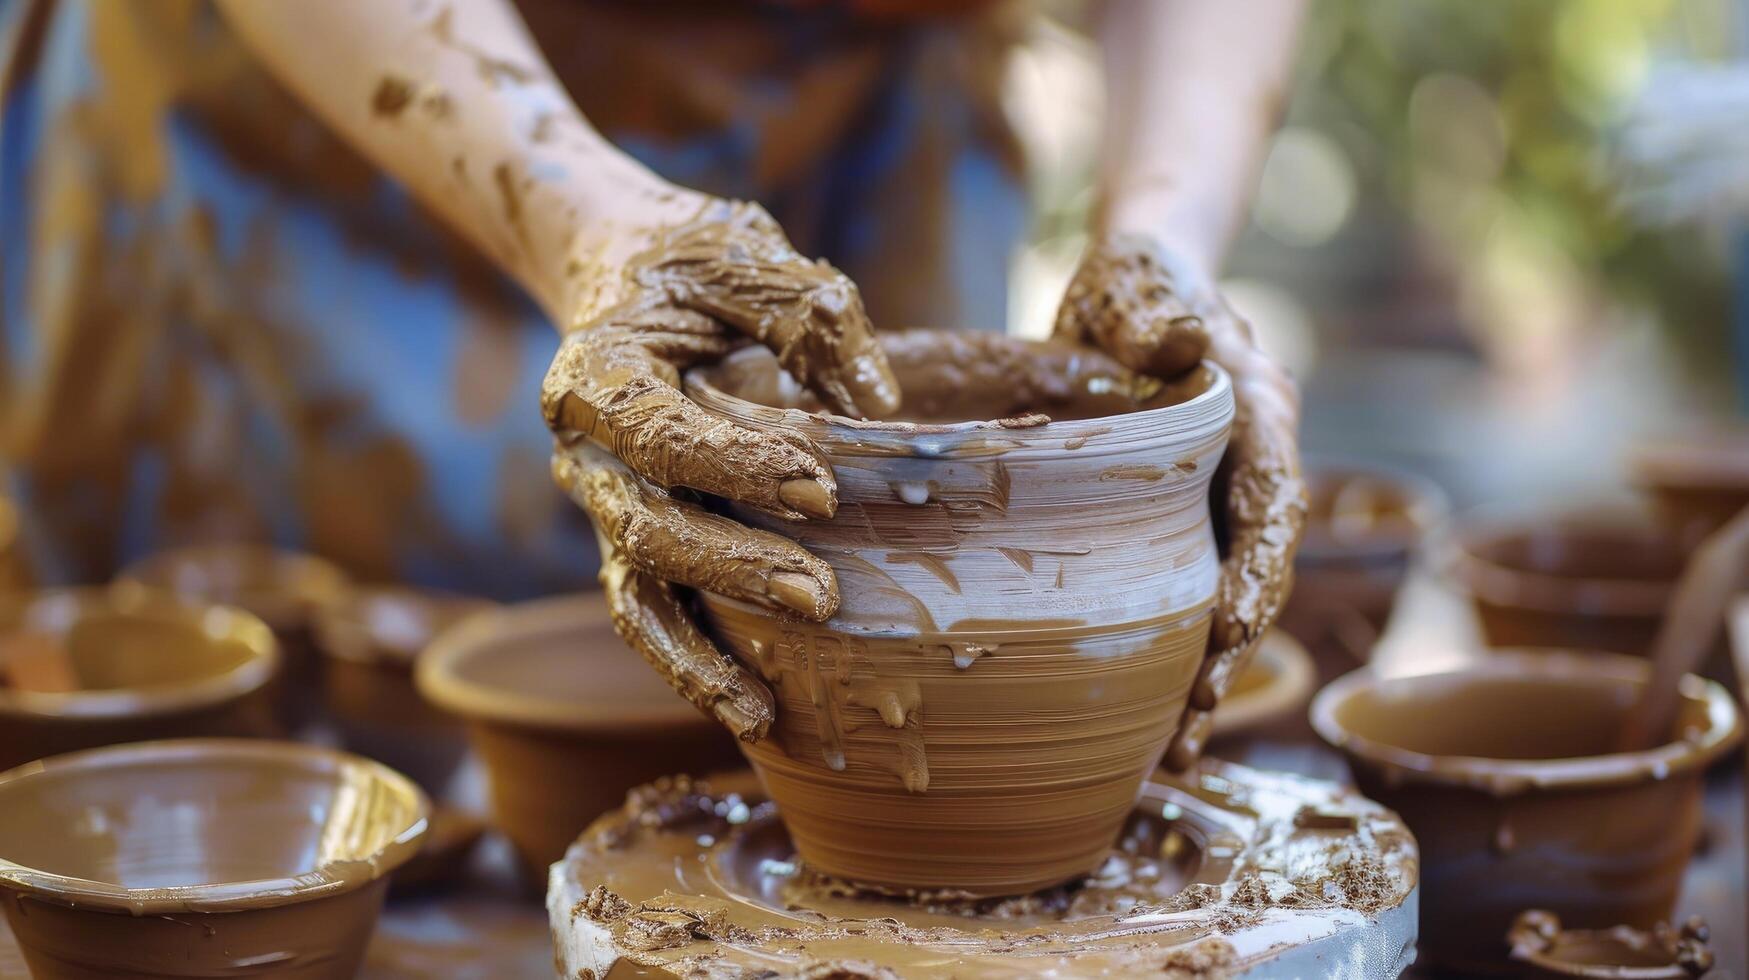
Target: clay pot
x=1364, y=528
x=283, y=588
x=1024, y=609
x=201, y=858
x=1697, y=481
x=564, y=717
x=1505, y=771
x=370, y=641
x=1665, y=952
x=80, y=668
x=1270, y=696
x=1584, y=581
x=15, y=573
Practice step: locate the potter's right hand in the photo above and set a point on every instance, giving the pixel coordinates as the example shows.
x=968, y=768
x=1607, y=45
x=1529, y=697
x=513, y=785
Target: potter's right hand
x=631, y=444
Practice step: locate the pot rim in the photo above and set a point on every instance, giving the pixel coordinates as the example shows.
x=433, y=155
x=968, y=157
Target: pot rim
x=1708, y=459
x=1506, y=777
x=1547, y=592
x=216, y=623
x=334, y=877
x=343, y=632
x=318, y=581
x=900, y=439
x=438, y=681
x=1427, y=507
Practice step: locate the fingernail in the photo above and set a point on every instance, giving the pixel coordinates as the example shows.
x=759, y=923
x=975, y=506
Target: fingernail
x=808, y=496
x=796, y=591
x=736, y=720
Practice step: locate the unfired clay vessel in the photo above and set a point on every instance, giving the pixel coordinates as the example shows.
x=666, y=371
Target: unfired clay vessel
x=1505, y=771
x=80, y=668
x=1025, y=606
x=1698, y=481
x=564, y=717
x=201, y=858
x=1270, y=696
x=1364, y=528
x=283, y=588
x=1585, y=581
x=370, y=641
x=1665, y=952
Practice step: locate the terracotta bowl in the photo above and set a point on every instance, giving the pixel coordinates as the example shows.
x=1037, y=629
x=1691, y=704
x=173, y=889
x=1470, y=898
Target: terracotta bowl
x=1698, y=481
x=565, y=718
x=80, y=668
x=1585, y=581
x=201, y=858
x=283, y=588
x=1271, y=694
x=370, y=641
x=1505, y=771
x=1026, y=603
x=1365, y=526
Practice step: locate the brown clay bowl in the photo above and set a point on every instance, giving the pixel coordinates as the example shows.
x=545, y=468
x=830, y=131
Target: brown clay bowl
x=284, y=588
x=1363, y=530
x=565, y=718
x=80, y=668
x=1583, y=581
x=1026, y=603
x=15, y=572
x=1506, y=772
x=370, y=641
x=1697, y=481
x=201, y=858
x=1545, y=949
x=1271, y=694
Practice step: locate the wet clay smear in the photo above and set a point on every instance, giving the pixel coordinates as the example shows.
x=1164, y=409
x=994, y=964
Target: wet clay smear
x=1214, y=876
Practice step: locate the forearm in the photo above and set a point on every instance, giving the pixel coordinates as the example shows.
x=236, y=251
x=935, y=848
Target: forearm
x=456, y=102
x=1193, y=91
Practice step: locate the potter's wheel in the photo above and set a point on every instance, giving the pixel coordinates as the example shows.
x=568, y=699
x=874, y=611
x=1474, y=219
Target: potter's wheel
x=1228, y=872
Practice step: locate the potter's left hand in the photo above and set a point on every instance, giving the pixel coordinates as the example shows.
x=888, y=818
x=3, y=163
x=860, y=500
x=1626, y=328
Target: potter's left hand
x=1160, y=314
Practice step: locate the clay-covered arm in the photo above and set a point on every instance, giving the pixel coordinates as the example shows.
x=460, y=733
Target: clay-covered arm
x=1193, y=92
x=455, y=101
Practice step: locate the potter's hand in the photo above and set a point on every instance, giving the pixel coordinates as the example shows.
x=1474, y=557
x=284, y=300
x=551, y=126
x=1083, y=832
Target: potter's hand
x=1159, y=314
x=628, y=438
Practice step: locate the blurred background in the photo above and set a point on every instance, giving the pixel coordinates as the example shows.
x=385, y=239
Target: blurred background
x=1497, y=242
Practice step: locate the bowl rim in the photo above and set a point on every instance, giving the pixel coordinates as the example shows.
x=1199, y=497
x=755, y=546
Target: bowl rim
x=897, y=438
x=1428, y=508
x=333, y=878
x=1290, y=686
x=325, y=580
x=341, y=633
x=438, y=682
x=1506, y=777
x=216, y=622
x=1497, y=584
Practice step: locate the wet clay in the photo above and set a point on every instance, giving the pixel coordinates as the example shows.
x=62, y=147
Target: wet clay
x=1362, y=530
x=1219, y=874
x=283, y=588
x=1589, y=582
x=1664, y=952
x=1507, y=774
x=201, y=857
x=81, y=668
x=564, y=717
x=1011, y=608
x=370, y=641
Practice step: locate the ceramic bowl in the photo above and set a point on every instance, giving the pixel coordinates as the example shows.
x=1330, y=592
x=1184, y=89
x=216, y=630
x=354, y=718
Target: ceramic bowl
x=1271, y=694
x=1026, y=603
x=370, y=641
x=565, y=718
x=1583, y=581
x=1697, y=480
x=80, y=668
x=285, y=589
x=201, y=858
x=1364, y=528
x=1506, y=771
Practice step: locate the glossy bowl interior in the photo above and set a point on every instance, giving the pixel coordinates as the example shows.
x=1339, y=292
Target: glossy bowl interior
x=80, y=668
x=201, y=857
